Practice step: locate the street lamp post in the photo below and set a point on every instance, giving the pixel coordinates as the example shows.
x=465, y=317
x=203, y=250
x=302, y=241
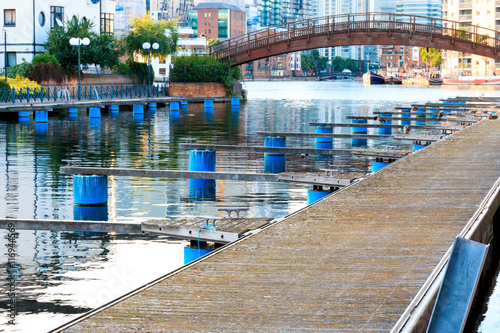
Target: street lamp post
x=77, y=42
x=147, y=46
x=5, y=52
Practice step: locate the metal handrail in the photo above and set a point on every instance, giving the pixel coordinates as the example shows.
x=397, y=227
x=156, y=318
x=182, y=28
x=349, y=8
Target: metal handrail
x=335, y=24
x=88, y=92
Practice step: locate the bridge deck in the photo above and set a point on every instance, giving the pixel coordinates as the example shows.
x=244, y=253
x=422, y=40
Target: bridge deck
x=351, y=262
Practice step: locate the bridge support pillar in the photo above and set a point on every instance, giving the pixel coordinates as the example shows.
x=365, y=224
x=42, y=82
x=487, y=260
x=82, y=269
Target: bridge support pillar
x=202, y=189
x=274, y=162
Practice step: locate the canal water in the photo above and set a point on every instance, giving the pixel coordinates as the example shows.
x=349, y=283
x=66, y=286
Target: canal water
x=59, y=275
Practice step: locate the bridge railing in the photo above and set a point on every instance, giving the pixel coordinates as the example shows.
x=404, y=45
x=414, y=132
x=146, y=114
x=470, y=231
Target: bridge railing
x=87, y=92
x=330, y=25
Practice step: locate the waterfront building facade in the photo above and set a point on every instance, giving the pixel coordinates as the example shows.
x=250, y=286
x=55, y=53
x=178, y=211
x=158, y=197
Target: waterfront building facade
x=125, y=9
x=484, y=13
x=25, y=24
x=217, y=21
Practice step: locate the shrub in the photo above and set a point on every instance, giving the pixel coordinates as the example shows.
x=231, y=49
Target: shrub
x=123, y=69
x=204, y=69
x=44, y=72
x=45, y=58
x=21, y=83
x=4, y=84
x=139, y=71
x=19, y=69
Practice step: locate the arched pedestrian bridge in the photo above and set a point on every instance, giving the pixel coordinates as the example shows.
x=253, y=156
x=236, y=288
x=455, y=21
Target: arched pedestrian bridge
x=358, y=29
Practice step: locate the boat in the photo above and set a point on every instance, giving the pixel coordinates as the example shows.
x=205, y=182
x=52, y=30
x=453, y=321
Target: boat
x=393, y=80
x=373, y=78
x=473, y=80
x=435, y=81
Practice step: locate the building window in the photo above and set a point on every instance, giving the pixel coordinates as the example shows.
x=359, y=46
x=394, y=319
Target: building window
x=108, y=23
x=9, y=17
x=56, y=17
x=11, y=59
x=205, y=14
x=162, y=71
x=41, y=19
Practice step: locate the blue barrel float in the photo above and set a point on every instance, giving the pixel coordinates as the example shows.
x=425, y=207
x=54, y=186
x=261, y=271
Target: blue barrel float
x=72, y=110
x=193, y=253
x=114, y=107
x=174, y=106
x=433, y=113
x=90, y=213
x=90, y=190
x=184, y=105
x=418, y=145
x=41, y=116
x=208, y=103
x=386, y=131
x=315, y=194
x=138, y=109
x=359, y=130
x=405, y=122
x=419, y=122
x=94, y=112
x=24, y=117
x=152, y=106
x=378, y=164
x=202, y=189
x=274, y=162
x=235, y=101
x=323, y=143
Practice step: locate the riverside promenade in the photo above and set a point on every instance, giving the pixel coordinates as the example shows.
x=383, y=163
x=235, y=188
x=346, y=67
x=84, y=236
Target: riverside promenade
x=355, y=261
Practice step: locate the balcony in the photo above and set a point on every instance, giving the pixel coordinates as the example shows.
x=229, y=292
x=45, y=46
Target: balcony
x=249, y=67
x=465, y=17
x=465, y=4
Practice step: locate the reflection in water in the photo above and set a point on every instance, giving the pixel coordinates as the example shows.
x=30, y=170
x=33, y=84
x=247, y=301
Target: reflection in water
x=62, y=274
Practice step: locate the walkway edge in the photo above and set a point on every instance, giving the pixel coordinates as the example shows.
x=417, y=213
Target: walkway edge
x=417, y=315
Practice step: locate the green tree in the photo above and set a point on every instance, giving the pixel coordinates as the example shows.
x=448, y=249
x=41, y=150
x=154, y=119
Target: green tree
x=338, y=63
x=432, y=57
x=314, y=62
x=102, y=49
x=143, y=29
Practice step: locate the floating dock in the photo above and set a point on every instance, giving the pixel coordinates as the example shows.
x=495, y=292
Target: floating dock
x=364, y=258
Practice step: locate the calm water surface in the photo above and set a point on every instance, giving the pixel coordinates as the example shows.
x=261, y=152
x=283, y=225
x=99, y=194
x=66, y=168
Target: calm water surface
x=60, y=275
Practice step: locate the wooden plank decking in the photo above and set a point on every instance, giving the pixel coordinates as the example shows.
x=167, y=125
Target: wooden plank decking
x=351, y=262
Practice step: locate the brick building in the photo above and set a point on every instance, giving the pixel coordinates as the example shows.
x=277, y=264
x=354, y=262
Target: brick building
x=217, y=20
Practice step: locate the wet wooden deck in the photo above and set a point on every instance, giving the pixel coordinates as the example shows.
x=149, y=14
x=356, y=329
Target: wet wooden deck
x=351, y=262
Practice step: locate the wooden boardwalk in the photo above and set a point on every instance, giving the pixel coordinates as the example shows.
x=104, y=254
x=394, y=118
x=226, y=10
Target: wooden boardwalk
x=351, y=262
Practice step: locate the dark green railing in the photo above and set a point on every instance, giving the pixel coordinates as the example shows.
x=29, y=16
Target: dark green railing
x=88, y=92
